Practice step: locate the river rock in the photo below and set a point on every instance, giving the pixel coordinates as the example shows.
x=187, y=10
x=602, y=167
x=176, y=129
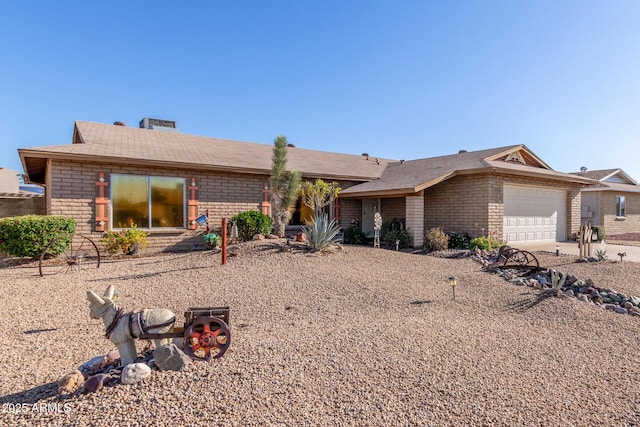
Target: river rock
x=134, y=373
x=91, y=366
x=94, y=383
x=70, y=382
x=170, y=358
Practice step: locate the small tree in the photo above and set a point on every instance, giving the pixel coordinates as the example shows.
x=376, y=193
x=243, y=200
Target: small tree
x=319, y=194
x=284, y=186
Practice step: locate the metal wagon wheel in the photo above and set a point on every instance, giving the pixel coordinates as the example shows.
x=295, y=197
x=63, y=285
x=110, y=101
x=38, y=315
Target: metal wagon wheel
x=78, y=256
x=206, y=337
x=521, y=259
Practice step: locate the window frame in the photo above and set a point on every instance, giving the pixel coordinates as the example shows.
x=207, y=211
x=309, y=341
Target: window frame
x=621, y=207
x=149, y=225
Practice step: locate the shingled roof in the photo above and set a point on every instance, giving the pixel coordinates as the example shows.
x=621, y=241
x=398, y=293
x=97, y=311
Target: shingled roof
x=119, y=144
x=410, y=177
x=611, y=180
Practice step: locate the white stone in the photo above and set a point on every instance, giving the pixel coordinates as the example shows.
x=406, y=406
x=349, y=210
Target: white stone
x=134, y=373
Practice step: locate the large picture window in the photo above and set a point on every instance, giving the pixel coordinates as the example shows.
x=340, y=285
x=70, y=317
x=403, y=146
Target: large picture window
x=147, y=201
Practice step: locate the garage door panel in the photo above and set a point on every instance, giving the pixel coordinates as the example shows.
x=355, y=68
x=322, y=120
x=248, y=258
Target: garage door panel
x=533, y=214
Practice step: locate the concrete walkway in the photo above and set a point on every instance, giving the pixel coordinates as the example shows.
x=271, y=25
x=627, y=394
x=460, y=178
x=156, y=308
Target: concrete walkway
x=571, y=248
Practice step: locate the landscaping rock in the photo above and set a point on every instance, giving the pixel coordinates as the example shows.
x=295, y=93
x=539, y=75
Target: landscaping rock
x=258, y=237
x=112, y=356
x=70, y=382
x=583, y=298
x=134, y=373
x=94, y=365
x=620, y=310
x=94, y=383
x=170, y=358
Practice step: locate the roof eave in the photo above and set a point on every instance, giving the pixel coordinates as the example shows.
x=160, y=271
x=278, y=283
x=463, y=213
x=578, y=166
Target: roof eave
x=26, y=153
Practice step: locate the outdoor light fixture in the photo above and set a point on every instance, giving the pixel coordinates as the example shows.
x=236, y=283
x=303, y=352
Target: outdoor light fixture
x=453, y=281
x=557, y=250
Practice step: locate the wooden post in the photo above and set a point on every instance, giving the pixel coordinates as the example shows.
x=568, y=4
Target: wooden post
x=224, y=241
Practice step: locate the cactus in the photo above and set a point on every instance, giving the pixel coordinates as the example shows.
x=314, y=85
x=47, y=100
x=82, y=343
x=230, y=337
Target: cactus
x=557, y=280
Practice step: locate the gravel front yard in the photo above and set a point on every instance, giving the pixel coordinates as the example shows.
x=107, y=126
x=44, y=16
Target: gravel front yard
x=359, y=337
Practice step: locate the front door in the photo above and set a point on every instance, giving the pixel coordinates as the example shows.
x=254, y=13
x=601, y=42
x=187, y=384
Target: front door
x=369, y=208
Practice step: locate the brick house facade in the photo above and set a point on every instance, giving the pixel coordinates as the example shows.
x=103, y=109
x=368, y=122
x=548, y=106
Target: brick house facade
x=601, y=204
x=462, y=192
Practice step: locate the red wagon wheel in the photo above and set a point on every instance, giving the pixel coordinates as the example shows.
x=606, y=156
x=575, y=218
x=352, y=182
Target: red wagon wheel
x=206, y=337
x=80, y=255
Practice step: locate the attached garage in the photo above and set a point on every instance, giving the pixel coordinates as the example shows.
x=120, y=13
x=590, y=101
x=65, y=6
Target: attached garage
x=534, y=214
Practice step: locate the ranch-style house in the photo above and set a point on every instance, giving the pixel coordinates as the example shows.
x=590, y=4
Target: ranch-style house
x=162, y=180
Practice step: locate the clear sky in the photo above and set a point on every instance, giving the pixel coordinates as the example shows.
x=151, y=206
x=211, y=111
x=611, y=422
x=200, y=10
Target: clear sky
x=396, y=79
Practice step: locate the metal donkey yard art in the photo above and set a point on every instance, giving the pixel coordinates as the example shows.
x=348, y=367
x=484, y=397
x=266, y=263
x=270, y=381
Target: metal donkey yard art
x=205, y=333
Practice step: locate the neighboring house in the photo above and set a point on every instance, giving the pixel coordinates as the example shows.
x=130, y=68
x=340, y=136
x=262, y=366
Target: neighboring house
x=111, y=176
x=614, y=203
x=16, y=199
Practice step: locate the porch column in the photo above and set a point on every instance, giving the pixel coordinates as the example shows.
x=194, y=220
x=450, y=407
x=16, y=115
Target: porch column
x=415, y=218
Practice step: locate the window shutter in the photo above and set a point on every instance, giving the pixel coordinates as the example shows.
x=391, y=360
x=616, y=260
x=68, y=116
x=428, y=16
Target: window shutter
x=102, y=203
x=192, y=207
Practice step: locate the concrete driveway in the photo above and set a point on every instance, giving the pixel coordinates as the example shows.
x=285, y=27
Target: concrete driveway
x=571, y=248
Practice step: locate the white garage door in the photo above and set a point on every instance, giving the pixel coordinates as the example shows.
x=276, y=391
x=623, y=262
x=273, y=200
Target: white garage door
x=534, y=214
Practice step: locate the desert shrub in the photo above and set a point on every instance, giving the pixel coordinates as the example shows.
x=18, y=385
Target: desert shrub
x=250, y=223
x=395, y=230
x=321, y=233
x=488, y=243
x=458, y=240
x=354, y=235
x=435, y=240
x=28, y=235
x=125, y=240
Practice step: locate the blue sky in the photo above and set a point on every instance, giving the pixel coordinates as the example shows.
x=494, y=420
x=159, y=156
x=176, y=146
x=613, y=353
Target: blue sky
x=396, y=79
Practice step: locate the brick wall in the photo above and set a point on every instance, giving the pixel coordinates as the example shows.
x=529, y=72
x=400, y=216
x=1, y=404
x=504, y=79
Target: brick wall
x=459, y=204
x=614, y=225
x=468, y=203
x=72, y=192
x=395, y=208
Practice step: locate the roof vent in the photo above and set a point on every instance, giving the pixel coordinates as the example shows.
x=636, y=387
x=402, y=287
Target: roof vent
x=120, y=124
x=462, y=151
x=157, y=124
x=583, y=169
x=291, y=145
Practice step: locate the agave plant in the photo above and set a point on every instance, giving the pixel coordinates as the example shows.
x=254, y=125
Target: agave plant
x=321, y=232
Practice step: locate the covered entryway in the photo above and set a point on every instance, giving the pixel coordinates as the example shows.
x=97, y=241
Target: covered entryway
x=534, y=214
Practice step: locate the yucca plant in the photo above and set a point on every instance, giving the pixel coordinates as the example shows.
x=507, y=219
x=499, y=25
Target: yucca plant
x=321, y=232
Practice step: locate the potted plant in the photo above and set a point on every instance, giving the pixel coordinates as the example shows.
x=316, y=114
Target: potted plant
x=130, y=241
x=212, y=240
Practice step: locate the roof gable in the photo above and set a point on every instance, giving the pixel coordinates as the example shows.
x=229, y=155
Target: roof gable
x=414, y=176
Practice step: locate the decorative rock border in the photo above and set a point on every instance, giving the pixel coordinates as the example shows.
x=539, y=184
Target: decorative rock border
x=582, y=290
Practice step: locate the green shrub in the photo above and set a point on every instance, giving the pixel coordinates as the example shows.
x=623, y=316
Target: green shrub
x=213, y=239
x=321, y=233
x=488, y=243
x=458, y=240
x=250, y=223
x=435, y=240
x=28, y=235
x=125, y=240
x=354, y=235
x=394, y=230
